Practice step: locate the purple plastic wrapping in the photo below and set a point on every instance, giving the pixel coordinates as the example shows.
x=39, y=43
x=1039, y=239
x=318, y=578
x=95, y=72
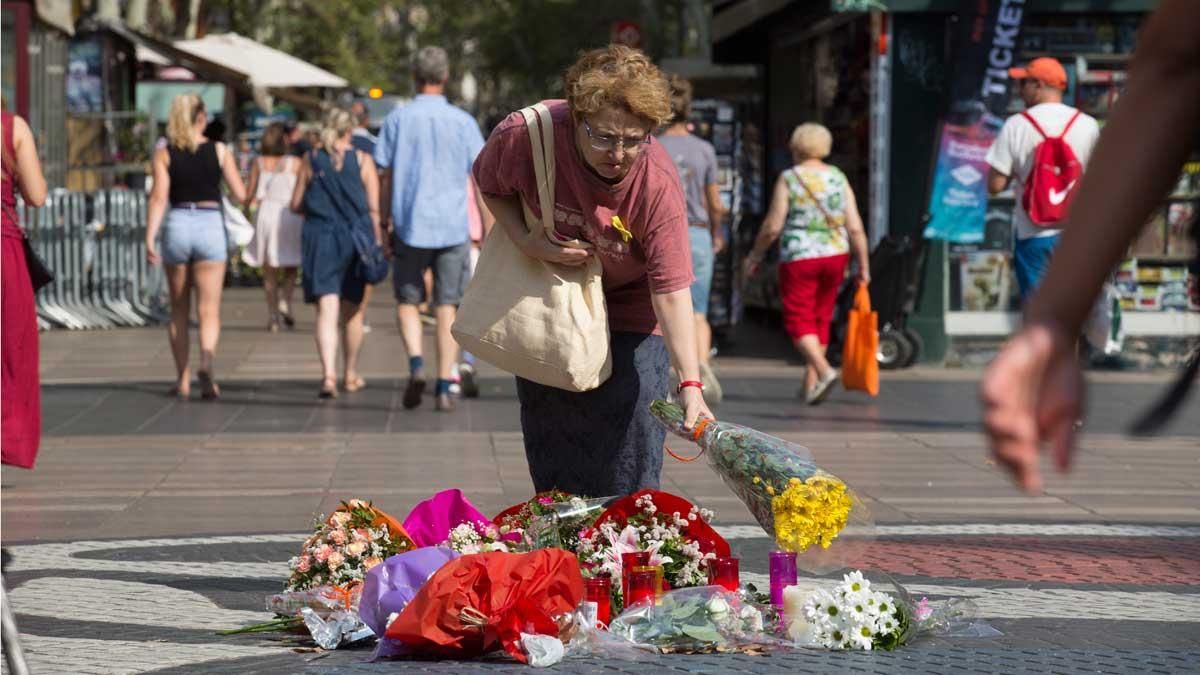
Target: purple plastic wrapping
x=390, y=585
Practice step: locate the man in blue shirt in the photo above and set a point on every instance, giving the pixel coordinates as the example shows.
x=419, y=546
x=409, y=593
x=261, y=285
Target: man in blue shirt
x=425, y=152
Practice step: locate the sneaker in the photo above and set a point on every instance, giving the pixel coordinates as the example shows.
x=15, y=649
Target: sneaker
x=822, y=388
x=712, y=387
x=466, y=381
x=414, y=391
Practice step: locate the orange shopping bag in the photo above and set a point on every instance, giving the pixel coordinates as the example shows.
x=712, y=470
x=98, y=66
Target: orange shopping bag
x=860, y=369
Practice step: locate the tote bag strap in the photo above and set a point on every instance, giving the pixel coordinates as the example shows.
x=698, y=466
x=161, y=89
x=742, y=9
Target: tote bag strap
x=541, y=137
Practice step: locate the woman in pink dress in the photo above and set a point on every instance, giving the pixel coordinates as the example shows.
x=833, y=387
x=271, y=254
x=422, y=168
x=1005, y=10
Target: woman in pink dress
x=21, y=407
x=276, y=243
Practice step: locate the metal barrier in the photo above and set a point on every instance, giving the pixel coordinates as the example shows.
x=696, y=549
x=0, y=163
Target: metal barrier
x=95, y=244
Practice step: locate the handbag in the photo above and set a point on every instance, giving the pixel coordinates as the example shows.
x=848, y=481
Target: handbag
x=860, y=360
x=238, y=230
x=373, y=264
x=39, y=274
x=540, y=321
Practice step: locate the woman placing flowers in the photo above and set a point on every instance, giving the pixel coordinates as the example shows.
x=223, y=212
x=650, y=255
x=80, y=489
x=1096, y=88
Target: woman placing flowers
x=616, y=188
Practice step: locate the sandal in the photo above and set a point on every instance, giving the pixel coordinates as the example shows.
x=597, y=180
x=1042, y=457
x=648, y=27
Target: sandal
x=353, y=385
x=328, y=389
x=181, y=394
x=208, y=388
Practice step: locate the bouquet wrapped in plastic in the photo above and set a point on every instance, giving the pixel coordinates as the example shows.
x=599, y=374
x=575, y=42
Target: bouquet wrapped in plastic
x=431, y=522
x=391, y=586
x=806, y=509
x=477, y=603
x=345, y=546
x=694, y=620
x=552, y=519
x=857, y=614
x=323, y=590
x=674, y=531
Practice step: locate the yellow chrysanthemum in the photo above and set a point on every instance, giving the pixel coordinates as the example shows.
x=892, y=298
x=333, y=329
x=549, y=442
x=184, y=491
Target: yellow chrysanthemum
x=810, y=512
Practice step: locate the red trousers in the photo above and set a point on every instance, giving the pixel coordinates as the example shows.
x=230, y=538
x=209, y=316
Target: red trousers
x=808, y=290
x=20, y=397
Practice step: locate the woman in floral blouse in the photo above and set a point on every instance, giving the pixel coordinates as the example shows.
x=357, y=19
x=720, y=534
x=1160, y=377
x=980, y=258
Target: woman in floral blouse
x=814, y=215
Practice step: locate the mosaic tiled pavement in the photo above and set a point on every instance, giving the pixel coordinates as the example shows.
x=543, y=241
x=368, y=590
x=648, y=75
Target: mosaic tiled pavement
x=150, y=524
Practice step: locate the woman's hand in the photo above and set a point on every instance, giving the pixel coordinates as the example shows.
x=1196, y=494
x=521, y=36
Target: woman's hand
x=864, y=275
x=1033, y=392
x=694, y=406
x=536, y=245
x=750, y=266
x=152, y=256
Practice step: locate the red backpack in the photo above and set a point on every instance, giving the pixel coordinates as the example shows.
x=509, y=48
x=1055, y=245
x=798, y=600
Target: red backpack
x=1054, y=177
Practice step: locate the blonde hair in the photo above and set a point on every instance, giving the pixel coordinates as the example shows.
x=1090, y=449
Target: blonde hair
x=811, y=141
x=181, y=121
x=619, y=76
x=338, y=123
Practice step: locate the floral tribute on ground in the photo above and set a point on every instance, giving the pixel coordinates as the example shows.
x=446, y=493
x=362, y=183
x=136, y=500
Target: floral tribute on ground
x=544, y=579
x=805, y=508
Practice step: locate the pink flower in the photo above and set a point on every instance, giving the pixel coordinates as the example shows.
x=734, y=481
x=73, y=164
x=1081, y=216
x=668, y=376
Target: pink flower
x=545, y=501
x=627, y=542
x=304, y=564
x=371, y=562
x=335, y=560
x=323, y=553
x=338, y=537
x=339, y=519
x=361, y=534
x=357, y=548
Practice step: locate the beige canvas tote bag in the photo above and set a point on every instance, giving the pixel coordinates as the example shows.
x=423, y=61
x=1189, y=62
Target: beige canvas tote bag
x=541, y=321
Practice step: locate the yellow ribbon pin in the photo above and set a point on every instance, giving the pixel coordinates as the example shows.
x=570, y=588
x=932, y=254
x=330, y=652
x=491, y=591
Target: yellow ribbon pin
x=620, y=227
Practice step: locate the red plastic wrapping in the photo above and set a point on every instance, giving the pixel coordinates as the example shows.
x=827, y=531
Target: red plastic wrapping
x=697, y=530
x=480, y=602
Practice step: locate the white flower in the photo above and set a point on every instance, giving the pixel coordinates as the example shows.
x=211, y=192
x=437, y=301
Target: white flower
x=862, y=637
x=752, y=618
x=855, y=583
x=717, y=607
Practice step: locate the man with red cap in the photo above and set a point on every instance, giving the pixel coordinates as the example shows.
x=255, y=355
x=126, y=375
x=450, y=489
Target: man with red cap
x=1046, y=118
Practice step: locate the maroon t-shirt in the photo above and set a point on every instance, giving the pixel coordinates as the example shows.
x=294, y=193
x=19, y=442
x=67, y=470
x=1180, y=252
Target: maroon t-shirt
x=648, y=200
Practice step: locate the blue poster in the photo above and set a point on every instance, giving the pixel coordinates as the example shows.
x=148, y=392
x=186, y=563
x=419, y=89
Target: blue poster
x=986, y=48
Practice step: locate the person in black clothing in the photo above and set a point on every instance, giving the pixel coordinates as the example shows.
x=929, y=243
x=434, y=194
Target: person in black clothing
x=186, y=204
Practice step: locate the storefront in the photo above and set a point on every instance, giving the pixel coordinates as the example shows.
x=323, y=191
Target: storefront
x=34, y=64
x=881, y=80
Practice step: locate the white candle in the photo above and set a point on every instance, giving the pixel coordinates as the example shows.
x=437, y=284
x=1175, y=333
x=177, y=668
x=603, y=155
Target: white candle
x=794, y=599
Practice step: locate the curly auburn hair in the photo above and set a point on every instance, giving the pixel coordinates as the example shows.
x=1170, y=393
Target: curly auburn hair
x=619, y=76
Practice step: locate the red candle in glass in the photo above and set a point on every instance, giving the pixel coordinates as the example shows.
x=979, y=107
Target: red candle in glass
x=599, y=591
x=643, y=586
x=628, y=562
x=724, y=572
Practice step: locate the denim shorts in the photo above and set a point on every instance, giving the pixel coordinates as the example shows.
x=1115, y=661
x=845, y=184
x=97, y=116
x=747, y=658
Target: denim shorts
x=194, y=235
x=702, y=267
x=1031, y=257
x=451, y=272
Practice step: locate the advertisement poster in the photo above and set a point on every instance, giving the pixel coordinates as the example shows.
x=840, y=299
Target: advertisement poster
x=85, y=84
x=986, y=48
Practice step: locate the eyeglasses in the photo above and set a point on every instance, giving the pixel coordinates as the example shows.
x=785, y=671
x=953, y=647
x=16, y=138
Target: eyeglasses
x=611, y=143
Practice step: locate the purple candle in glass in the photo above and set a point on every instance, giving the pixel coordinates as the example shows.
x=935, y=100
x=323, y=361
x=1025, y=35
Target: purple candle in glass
x=783, y=574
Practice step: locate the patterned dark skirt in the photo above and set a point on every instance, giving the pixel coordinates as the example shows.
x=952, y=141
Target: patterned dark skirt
x=601, y=442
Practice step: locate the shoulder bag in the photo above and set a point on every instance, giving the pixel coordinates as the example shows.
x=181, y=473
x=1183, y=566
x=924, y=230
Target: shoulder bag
x=541, y=321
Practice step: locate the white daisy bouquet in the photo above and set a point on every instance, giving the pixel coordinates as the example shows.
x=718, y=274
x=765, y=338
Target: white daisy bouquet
x=853, y=616
x=856, y=615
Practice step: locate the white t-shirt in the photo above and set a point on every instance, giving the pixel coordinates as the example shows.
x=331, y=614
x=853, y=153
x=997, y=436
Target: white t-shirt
x=1012, y=153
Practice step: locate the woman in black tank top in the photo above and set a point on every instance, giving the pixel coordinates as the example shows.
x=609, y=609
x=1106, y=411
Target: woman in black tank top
x=185, y=205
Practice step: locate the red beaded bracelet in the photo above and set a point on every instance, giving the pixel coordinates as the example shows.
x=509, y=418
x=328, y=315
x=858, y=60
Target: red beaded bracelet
x=689, y=383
